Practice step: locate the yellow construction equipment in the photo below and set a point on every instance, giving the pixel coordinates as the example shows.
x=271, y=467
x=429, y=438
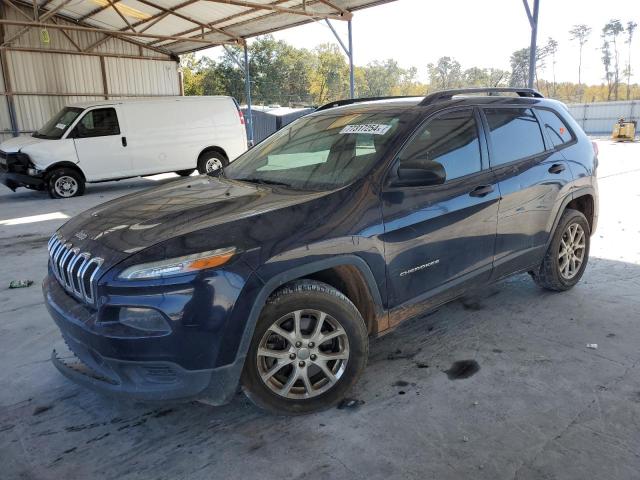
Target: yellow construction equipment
x=624, y=131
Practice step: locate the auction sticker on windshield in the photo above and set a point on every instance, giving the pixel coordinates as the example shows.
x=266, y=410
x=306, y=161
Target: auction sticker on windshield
x=370, y=128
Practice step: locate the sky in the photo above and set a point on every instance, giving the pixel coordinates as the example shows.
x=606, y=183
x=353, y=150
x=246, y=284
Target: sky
x=480, y=33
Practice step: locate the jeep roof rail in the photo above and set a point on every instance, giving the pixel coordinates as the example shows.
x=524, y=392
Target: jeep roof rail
x=351, y=101
x=449, y=94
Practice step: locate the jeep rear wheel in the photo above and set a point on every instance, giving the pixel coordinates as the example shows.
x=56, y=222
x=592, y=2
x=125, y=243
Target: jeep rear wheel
x=567, y=255
x=309, y=347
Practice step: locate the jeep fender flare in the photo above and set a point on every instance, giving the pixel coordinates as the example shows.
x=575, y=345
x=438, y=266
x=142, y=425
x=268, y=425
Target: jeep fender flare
x=229, y=375
x=298, y=272
x=580, y=192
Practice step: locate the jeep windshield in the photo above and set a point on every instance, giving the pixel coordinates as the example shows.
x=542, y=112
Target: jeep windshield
x=318, y=152
x=58, y=124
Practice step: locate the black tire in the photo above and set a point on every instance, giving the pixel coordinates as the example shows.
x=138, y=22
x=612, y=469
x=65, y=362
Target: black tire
x=307, y=295
x=211, y=155
x=55, y=190
x=549, y=275
x=185, y=173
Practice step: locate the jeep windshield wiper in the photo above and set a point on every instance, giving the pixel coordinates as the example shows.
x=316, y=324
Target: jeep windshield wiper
x=263, y=181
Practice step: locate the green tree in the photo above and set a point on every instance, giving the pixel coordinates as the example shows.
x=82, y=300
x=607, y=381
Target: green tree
x=551, y=49
x=191, y=80
x=631, y=28
x=519, y=68
x=380, y=78
x=298, y=78
x=610, y=32
x=605, y=49
x=580, y=33
x=409, y=84
x=329, y=79
x=445, y=73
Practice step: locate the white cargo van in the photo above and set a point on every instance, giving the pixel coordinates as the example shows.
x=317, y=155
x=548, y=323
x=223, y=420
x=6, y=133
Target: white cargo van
x=110, y=140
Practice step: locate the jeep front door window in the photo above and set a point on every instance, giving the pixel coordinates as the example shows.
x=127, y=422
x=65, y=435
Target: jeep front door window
x=440, y=234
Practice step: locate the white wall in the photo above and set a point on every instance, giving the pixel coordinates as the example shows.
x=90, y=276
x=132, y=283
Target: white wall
x=44, y=81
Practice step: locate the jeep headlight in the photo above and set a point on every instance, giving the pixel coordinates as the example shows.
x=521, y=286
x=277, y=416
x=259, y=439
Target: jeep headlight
x=179, y=265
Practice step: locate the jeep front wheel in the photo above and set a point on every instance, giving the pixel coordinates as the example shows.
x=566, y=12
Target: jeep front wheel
x=309, y=348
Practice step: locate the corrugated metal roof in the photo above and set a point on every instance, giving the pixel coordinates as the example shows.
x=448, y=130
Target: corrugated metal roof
x=198, y=24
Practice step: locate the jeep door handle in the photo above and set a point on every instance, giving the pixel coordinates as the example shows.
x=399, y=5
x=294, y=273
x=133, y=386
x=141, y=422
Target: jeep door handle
x=556, y=168
x=124, y=141
x=481, y=191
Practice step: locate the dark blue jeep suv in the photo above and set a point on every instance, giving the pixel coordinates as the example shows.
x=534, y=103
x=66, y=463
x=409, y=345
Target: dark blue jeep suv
x=273, y=274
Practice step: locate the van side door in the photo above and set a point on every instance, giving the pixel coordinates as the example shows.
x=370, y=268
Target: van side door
x=533, y=178
x=101, y=144
x=440, y=239
x=163, y=135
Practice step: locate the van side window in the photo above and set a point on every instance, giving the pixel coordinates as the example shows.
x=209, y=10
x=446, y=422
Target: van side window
x=451, y=140
x=555, y=127
x=100, y=122
x=515, y=134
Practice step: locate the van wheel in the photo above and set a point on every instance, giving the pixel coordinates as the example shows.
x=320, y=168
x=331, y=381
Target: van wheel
x=185, y=173
x=309, y=348
x=567, y=256
x=210, y=162
x=65, y=183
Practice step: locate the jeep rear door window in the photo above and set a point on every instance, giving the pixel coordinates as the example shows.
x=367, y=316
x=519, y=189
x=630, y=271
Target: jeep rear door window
x=58, y=124
x=515, y=134
x=451, y=140
x=100, y=122
x=555, y=127
x=318, y=152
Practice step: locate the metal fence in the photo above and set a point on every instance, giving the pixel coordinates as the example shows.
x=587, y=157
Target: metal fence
x=599, y=118
x=268, y=120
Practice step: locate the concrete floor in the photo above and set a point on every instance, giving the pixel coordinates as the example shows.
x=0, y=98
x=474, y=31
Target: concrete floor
x=542, y=405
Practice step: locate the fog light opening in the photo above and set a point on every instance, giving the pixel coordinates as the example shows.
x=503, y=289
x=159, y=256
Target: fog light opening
x=143, y=319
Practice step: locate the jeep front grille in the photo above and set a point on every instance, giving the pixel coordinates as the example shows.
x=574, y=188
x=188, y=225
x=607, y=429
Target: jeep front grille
x=76, y=271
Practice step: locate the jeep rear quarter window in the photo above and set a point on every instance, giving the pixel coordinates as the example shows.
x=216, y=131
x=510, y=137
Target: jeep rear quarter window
x=451, y=140
x=555, y=127
x=515, y=134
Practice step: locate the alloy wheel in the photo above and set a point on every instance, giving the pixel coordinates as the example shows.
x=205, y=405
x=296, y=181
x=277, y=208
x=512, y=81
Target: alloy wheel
x=303, y=354
x=572, y=250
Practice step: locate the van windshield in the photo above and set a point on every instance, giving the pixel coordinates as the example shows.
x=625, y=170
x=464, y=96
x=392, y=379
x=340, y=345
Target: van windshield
x=318, y=152
x=58, y=124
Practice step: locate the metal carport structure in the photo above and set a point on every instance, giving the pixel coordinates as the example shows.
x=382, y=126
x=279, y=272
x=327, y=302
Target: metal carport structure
x=149, y=30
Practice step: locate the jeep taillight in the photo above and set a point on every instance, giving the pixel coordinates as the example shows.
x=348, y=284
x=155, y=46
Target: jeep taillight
x=241, y=117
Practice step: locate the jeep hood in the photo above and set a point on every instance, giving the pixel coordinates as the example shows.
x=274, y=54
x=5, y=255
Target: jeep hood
x=140, y=220
x=14, y=145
